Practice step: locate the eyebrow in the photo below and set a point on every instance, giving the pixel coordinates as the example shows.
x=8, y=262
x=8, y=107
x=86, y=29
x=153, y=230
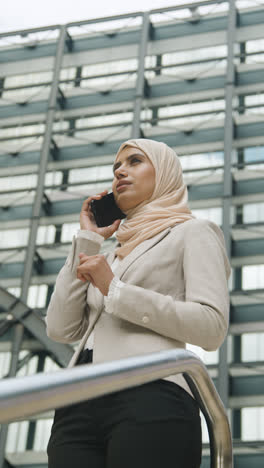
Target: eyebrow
x=116, y=165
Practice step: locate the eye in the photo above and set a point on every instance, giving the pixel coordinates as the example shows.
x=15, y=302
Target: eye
x=135, y=159
x=131, y=161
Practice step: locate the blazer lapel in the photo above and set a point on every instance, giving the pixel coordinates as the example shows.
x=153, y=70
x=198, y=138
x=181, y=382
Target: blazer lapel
x=139, y=250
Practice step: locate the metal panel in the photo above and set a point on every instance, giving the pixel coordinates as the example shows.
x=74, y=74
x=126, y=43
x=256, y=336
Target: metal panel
x=223, y=380
x=36, y=326
x=140, y=86
x=34, y=226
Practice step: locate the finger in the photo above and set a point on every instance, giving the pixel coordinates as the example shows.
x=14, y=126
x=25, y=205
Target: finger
x=84, y=277
x=88, y=200
x=114, y=226
x=82, y=255
x=81, y=277
x=88, y=278
x=83, y=260
x=82, y=271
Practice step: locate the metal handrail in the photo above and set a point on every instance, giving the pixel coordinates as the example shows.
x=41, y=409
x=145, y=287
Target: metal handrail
x=21, y=397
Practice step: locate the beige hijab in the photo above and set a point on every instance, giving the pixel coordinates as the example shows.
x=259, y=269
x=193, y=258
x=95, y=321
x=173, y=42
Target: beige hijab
x=167, y=205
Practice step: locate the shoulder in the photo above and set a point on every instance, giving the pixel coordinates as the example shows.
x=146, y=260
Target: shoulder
x=198, y=224
x=195, y=224
x=197, y=228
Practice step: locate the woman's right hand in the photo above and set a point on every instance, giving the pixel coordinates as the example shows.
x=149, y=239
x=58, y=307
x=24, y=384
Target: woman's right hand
x=87, y=221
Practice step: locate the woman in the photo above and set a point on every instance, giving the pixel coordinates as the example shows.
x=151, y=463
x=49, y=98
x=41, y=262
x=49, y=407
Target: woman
x=164, y=285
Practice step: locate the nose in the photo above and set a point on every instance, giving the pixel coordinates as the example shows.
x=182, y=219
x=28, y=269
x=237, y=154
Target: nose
x=120, y=171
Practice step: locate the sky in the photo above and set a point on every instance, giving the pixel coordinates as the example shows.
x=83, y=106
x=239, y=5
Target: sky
x=25, y=14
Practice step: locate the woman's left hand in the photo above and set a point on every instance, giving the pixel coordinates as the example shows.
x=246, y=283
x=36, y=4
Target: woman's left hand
x=95, y=268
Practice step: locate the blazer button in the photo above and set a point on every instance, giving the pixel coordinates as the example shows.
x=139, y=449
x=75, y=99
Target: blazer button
x=145, y=319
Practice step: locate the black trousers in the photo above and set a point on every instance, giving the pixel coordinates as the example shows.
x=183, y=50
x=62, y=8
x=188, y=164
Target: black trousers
x=151, y=426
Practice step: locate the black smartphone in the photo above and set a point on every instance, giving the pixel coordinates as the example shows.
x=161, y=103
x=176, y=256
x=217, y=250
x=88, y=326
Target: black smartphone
x=106, y=211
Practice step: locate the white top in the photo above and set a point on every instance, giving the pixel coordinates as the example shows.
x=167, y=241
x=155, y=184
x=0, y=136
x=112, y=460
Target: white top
x=115, y=284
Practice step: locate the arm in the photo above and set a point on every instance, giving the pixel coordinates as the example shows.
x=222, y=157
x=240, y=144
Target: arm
x=68, y=312
x=202, y=319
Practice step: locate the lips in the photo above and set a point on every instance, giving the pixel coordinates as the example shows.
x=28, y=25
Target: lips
x=122, y=184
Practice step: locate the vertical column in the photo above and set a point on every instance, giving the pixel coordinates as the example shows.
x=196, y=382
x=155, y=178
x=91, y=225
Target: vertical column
x=33, y=424
x=237, y=341
x=17, y=337
x=52, y=105
x=223, y=379
x=18, y=330
x=141, y=84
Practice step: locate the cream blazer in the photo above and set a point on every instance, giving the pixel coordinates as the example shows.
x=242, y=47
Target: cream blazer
x=175, y=292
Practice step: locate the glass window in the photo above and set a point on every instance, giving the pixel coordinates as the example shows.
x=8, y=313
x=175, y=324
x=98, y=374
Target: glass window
x=16, y=198
x=60, y=125
x=254, y=154
x=191, y=113
x=22, y=130
x=193, y=107
x=252, y=346
x=5, y=360
x=213, y=57
x=67, y=74
x=37, y=295
x=205, y=435
x=150, y=62
x=212, y=214
x=213, y=9
x=50, y=365
x=202, y=160
x=106, y=27
x=255, y=49
x=15, y=291
x=53, y=178
x=28, y=79
x=208, y=357
x=102, y=120
x=116, y=66
x=86, y=190
x=253, y=277
x=30, y=367
x=17, y=145
x=253, y=213
x=68, y=231
x=46, y=234
x=146, y=114
x=196, y=54
x=14, y=238
x=231, y=281
x=89, y=174
x=27, y=86
x=17, y=437
x=254, y=99
x=171, y=16
x=25, y=181
x=42, y=434
x=113, y=74
x=252, y=423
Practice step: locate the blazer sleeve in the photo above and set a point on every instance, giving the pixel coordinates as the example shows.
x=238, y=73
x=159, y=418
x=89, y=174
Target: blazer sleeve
x=202, y=319
x=68, y=312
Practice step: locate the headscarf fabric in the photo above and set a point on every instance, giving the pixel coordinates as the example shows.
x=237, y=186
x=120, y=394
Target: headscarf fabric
x=168, y=204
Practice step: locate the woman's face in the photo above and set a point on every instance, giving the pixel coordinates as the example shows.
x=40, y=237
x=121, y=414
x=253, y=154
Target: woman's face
x=135, y=169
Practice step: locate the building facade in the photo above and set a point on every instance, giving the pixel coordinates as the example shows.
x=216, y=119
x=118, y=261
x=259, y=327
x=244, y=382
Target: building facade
x=191, y=76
